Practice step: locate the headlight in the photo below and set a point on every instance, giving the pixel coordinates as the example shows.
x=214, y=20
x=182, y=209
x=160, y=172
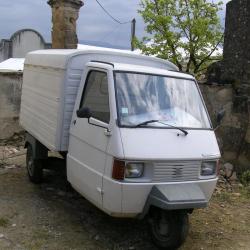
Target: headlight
x=208, y=168
x=134, y=170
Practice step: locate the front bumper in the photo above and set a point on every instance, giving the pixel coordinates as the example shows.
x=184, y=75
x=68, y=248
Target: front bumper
x=123, y=199
x=137, y=198
x=177, y=196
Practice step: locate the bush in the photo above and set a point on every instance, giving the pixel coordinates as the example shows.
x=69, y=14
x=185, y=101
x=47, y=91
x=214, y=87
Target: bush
x=245, y=178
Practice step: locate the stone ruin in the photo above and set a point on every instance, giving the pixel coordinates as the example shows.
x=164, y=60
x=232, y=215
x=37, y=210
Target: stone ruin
x=20, y=43
x=232, y=91
x=237, y=67
x=64, y=16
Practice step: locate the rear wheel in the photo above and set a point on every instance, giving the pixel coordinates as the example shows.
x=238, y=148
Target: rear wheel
x=168, y=228
x=34, y=166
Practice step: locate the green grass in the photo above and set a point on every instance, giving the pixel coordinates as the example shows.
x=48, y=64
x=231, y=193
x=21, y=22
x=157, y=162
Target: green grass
x=4, y=222
x=224, y=197
x=245, y=178
x=245, y=192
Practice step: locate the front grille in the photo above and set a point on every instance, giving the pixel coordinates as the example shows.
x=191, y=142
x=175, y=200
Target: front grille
x=176, y=171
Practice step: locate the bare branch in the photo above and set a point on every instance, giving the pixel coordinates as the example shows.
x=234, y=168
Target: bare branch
x=212, y=51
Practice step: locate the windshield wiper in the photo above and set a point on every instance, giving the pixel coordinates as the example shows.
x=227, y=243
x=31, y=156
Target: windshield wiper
x=172, y=126
x=145, y=123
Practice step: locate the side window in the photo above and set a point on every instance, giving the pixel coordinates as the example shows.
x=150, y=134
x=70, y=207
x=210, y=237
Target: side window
x=95, y=95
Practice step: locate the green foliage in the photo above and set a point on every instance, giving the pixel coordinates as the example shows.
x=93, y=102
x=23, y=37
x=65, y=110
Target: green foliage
x=245, y=192
x=175, y=27
x=245, y=178
x=4, y=222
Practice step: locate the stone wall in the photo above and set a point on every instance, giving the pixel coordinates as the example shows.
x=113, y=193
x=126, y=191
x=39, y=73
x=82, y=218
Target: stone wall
x=20, y=43
x=233, y=134
x=10, y=98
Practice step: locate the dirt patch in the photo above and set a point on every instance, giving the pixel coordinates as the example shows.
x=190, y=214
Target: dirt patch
x=53, y=216
x=16, y=140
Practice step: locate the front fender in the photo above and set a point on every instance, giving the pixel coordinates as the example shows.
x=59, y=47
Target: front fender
x=175, y=197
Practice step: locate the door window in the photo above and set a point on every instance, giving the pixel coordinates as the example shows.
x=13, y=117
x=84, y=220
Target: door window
x=95, y=95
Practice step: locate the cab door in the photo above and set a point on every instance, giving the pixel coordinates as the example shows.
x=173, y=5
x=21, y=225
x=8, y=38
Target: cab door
x=88, y=143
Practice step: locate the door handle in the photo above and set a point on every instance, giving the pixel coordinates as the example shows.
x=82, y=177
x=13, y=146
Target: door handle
x=107, y=132
x=74, y=122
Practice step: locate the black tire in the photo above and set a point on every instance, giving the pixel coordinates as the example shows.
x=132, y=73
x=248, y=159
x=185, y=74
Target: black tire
x=168, y=229
x=34, y=166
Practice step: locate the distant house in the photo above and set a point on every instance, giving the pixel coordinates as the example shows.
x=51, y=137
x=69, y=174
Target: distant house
x=20, y=43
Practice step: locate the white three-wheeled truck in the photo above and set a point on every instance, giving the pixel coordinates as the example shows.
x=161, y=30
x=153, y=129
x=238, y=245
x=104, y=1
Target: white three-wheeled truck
x=134, y=131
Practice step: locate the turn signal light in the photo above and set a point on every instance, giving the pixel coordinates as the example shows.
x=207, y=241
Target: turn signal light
x=118, y=170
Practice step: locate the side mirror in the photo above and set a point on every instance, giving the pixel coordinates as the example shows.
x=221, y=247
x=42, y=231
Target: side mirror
x=220, y=116
x=84, y=113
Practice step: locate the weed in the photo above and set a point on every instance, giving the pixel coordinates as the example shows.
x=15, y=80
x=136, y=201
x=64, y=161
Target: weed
x=245, y=191
x=224, y=197
x=245, y=178
x=4, y=222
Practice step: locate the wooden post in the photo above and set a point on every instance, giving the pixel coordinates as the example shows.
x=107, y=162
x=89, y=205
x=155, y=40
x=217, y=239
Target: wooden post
x=133, y=25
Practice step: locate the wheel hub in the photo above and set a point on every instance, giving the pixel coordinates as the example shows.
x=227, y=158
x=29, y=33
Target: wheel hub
x=30, y=166
x=163, y=226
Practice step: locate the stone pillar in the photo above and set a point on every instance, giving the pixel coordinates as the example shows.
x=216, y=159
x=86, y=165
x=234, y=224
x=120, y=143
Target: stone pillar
x=5, y=49
x=236, y=56
x=64, y=16
x=236, y=62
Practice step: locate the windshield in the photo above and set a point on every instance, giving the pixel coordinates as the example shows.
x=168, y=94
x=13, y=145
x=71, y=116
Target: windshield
x=143, y=97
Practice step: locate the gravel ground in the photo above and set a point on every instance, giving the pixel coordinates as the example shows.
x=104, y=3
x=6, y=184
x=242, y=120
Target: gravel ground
x=53, y=216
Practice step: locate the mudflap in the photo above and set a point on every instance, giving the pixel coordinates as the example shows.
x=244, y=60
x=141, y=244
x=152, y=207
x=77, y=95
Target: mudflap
x=175, y=197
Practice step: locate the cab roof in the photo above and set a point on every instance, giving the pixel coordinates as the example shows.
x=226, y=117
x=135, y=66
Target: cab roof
x=59, y=58
x=150, y=70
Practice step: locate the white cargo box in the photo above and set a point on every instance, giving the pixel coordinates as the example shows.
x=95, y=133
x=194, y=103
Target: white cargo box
x=50, y=84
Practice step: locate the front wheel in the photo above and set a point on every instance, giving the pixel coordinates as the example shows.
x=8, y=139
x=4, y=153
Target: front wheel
x=168, y=228
x=34, y=166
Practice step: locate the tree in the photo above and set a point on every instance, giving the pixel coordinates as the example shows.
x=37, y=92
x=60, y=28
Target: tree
x=186, y=32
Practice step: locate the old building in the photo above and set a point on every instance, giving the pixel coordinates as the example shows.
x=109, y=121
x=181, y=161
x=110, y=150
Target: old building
x=20, y=43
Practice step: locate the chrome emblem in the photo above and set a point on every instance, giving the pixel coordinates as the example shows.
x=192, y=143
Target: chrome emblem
x=177, y=172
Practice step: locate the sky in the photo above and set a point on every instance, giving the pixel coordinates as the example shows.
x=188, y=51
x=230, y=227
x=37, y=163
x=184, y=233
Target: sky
x=93, y=24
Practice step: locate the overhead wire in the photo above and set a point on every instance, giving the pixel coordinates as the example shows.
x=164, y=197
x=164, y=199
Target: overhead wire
x=107, y=12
